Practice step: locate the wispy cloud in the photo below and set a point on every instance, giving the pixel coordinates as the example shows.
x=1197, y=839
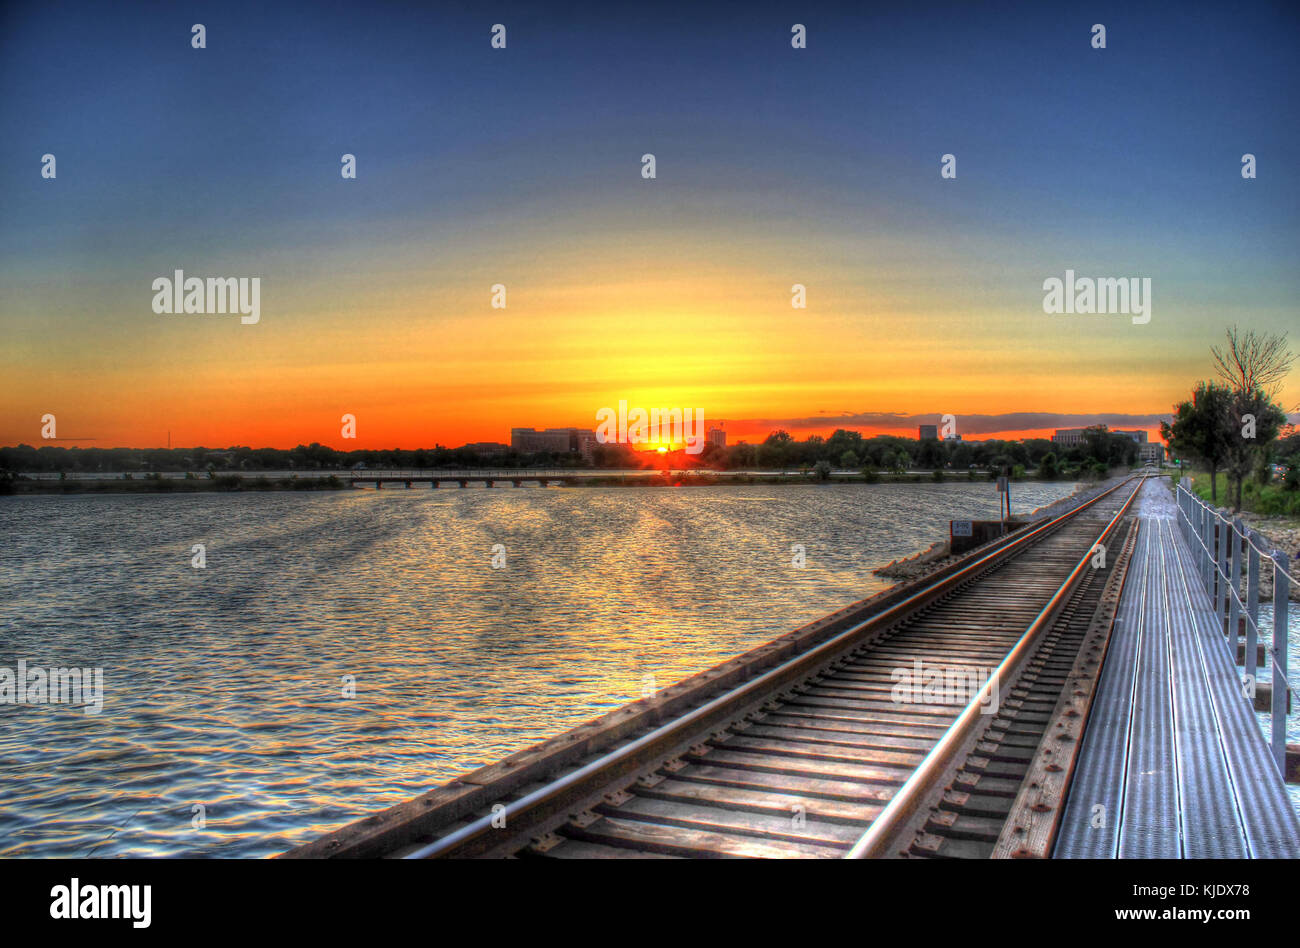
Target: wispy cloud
x=966, y=424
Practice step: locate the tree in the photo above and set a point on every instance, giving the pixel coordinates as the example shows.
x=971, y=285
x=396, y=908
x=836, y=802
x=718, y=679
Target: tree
x=1254, y=422
x=1253, y=366
x=1047, y=467
x=822, y=470
x=1202, y=429
x=776, y=450
x=930, y=454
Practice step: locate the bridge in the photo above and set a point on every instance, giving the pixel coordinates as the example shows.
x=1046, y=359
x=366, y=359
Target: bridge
x=1065, y=690
x=545, y=478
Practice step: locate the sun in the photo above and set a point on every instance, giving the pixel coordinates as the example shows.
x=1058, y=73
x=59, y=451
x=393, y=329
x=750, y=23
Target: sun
x=662, y=450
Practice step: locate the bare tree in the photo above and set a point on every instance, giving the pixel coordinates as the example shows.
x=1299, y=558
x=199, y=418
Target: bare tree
x=1251, y=361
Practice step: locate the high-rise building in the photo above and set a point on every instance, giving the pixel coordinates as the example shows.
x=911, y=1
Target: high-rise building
x=717, y=437
x=927, y=431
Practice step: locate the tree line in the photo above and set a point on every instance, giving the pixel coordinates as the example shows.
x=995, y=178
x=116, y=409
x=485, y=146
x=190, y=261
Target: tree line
x=850, y=451
x=843, y=450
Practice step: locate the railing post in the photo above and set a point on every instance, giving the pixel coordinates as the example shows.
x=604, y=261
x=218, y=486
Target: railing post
x=1213, y=554
x=1199, y=522
x=1234, y=585
x=1221, y=568
x=1207, y=551
x=1252, y=601
x=1281, y=586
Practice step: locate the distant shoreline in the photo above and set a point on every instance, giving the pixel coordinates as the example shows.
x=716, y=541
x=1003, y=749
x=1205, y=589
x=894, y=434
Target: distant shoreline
x=235, y=484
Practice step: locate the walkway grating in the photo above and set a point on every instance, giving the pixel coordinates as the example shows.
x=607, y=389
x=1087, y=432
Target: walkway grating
x=1173, y=763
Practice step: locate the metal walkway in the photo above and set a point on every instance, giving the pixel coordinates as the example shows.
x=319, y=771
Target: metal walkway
x=1173, y=763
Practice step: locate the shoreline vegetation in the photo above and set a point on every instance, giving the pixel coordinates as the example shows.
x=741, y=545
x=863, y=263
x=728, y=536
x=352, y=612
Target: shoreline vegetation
x=845, y=457
x=235, y=483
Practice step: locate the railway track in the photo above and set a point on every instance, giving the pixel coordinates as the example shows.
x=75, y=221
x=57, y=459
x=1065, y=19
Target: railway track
x=904, y=727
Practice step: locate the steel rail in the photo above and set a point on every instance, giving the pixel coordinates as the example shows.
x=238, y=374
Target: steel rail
x=681, y=726
x=1121, y=798
x=904, y=804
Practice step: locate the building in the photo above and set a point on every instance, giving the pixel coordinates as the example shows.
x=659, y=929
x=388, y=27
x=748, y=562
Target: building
x=554, y=440
x=1068, y=437
x=487, y=448
x=1151, y=452
x=716, y=437
x=1139, y=437
x=927, y=431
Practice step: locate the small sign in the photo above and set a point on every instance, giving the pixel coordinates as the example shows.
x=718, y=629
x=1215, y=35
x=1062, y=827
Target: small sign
x=961, y=528
x=1002, y=485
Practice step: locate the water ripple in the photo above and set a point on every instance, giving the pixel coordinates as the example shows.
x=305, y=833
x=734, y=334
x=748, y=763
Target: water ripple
x=231, y=687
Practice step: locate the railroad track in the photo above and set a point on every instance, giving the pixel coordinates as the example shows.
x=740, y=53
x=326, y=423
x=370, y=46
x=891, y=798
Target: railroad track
x=903, y=726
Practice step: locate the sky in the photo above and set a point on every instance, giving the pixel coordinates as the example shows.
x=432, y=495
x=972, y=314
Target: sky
x=522, y=166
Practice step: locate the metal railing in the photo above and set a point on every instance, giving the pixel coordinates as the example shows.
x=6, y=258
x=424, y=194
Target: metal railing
x=1219, y=544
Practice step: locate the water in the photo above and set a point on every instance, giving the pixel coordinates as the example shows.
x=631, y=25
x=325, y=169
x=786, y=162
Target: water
x=1265, y=673
x=224, y=687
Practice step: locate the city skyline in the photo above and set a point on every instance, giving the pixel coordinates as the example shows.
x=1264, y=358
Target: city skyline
x=1010, y=427
x=741, y=432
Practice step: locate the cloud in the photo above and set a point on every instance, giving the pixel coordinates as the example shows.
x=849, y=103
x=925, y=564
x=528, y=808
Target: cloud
x=966, y=424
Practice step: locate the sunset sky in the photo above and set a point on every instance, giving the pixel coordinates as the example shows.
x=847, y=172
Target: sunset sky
x=522, y=166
